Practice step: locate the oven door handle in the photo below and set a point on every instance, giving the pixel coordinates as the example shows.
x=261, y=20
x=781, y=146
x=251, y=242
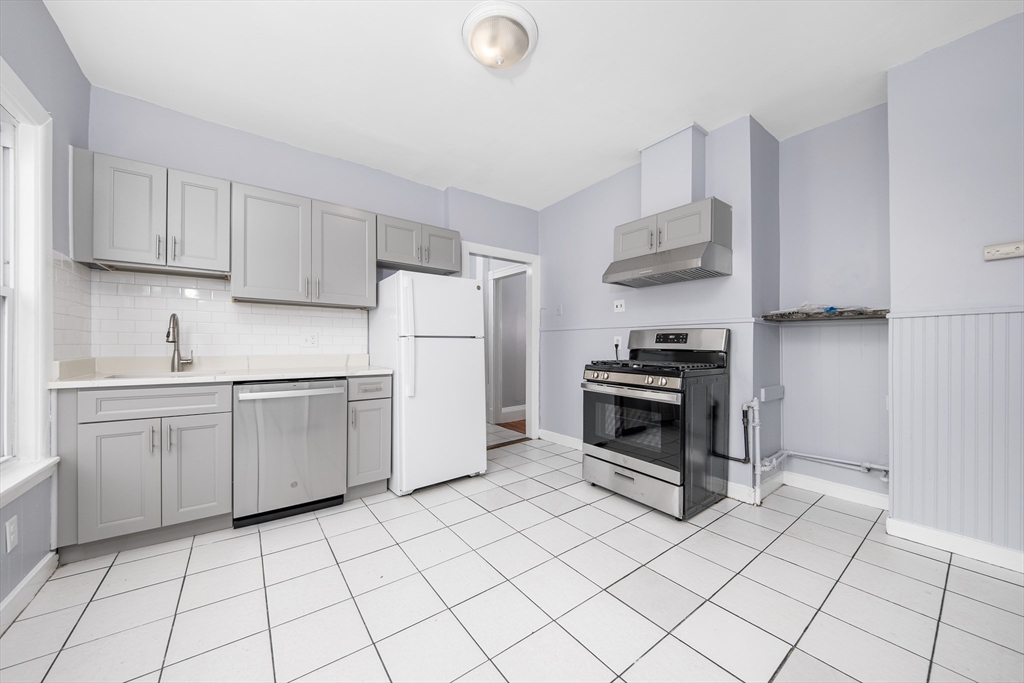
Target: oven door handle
x=656, y=396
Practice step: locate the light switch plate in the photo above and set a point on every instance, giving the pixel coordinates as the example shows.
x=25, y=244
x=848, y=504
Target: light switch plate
x=618, y=306
x=11, y=527
x=310, y=340
x=995, y=252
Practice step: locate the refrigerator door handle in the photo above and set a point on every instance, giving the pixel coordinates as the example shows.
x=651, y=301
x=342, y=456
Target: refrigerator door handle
x=408, y=314
x=410, y=366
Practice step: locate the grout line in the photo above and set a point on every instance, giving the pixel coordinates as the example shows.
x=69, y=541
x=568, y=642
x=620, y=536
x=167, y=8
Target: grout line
x=266, y=606
x=938, y=620
x=174, y=618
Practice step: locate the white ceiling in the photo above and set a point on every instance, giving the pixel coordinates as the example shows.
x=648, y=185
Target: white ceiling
x=390, y=84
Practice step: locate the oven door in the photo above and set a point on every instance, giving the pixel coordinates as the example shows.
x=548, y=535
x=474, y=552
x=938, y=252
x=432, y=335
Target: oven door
x=636, y=428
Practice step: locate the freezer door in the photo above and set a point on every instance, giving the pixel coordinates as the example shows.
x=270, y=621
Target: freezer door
x=438, y=306
x=440, y=405
x=290, y=444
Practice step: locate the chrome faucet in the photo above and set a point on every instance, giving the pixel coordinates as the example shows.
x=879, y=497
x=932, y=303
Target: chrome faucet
x=172, y=338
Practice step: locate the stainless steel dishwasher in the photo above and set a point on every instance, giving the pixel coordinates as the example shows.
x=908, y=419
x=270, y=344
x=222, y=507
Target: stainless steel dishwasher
x=290, y=449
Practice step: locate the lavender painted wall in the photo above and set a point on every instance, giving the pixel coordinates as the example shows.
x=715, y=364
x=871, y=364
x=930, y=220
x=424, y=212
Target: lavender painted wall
x=127, y=127
x=834, y=212
x=484, y=220
x=33, y=46
x=33, y=511
x=956, y=169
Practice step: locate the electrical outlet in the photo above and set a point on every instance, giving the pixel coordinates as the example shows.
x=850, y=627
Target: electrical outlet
x=618, y=306
x=12, y=533
x=617, y=341
x=994, y=252
x=310, y=340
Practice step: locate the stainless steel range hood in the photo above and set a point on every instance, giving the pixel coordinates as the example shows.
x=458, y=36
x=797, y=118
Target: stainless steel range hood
x=695, y=262
x=690, y=242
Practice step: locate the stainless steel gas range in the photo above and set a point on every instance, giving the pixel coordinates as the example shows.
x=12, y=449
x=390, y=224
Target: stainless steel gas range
x=656, y=426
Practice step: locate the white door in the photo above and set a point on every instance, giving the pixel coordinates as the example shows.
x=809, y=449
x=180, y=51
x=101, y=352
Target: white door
x=439, y=306
x=441, y=430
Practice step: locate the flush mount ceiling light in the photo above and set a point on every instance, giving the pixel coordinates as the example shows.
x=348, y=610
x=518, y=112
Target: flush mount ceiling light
x=499, y=34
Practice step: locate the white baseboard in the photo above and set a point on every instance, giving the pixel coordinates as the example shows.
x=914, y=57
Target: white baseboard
x=771, y=485
x=561, y=439
x=513, y=413
x=954, y=543
x=740, y=492
x=23, y=593
x=828, y=488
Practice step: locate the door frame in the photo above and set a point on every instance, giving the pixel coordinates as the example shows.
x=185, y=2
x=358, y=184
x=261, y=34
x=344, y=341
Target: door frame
x=532, y=263
x=494, y=339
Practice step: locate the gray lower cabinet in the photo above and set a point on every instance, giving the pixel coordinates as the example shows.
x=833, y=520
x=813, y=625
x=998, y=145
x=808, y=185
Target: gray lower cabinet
x=271, y=236
x=344, y=256
x=198, y=222
x=369, y=441
x=129, y=211
x=414, y=246
x=118, y=478
x=635, y=238
x=196, y=467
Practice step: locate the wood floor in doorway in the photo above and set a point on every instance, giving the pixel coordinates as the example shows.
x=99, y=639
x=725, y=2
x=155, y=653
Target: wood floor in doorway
x=517, y=426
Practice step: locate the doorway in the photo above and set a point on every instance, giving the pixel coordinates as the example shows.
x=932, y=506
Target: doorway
x=510, y=282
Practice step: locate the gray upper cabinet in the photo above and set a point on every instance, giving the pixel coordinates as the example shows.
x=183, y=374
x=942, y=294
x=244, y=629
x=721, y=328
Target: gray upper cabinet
x=398, y=241
x=344, y=256
x=271, y=236
x=635, y=239
x=369, y=441
x=129, y=211
x=442, y=249
x=118, y=478
x=413, y=246
x=196, y=467
x=198, y=222
x=685, y=225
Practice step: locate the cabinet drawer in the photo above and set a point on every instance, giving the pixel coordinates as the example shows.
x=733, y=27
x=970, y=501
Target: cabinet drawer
x=364, y=388
x=105, y=405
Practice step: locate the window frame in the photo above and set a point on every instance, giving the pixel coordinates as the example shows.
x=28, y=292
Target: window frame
x=8, y=213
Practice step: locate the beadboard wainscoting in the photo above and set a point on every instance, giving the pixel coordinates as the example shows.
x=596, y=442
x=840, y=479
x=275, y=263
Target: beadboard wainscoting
x=957, y=430
x=836, y=379
x=115, y=314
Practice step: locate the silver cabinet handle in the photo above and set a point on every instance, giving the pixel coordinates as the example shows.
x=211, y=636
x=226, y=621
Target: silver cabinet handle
x=418, y=257
x=174, y=247
x=370, y=388
x=307, y=286
x=650, y=233
x=168, y=438
x=297, y=393
x=353, y=418
x=318, y=288
x=152, y=438
x=158, y=246
x=656, y=396
x=659, y=237
x=426, y=254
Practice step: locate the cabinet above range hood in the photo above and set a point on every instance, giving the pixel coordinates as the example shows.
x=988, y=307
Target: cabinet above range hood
x=690, y=242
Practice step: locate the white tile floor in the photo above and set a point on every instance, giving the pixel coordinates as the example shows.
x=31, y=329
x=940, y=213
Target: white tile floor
x=529, y=574
x=499, y=435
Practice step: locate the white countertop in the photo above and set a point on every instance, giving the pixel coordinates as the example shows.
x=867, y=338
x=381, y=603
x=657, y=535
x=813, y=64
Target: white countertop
x=106, y=380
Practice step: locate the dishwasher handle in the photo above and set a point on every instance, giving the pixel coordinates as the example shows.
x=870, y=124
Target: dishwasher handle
x=295, y=393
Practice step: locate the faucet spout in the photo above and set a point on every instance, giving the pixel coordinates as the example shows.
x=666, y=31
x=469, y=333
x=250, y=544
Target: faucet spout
x=172, y=338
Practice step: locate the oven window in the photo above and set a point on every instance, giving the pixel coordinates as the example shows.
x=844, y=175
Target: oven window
x=636, y=427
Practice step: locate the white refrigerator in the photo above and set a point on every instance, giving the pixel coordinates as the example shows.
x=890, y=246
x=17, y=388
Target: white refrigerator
x=430, y=330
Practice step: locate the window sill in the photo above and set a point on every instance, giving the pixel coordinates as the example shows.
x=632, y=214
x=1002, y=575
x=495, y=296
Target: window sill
x=17, y=477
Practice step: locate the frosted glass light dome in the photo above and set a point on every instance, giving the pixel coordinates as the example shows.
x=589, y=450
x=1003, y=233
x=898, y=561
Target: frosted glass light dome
x=499, y=34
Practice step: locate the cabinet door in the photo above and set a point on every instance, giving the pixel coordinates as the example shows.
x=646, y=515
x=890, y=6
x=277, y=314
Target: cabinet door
x=344, y=256
x=271, y=237
x=398, y=241
x=685, y=225
x=198, y=221
x=118, y=478
x=634, y=239
x=129, y=211
x=369, y=441
x=442, y=249
x=196, y=467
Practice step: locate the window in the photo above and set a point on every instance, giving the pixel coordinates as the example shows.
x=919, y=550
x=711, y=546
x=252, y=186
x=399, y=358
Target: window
x=7, y=137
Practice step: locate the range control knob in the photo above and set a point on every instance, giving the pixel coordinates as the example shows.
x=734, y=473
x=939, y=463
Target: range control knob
x=604, y=376
x=595, y=374
x=663, y=381
x=649, y=380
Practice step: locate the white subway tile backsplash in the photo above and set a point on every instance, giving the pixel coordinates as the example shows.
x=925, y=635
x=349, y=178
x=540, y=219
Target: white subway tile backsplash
x=72, y=309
